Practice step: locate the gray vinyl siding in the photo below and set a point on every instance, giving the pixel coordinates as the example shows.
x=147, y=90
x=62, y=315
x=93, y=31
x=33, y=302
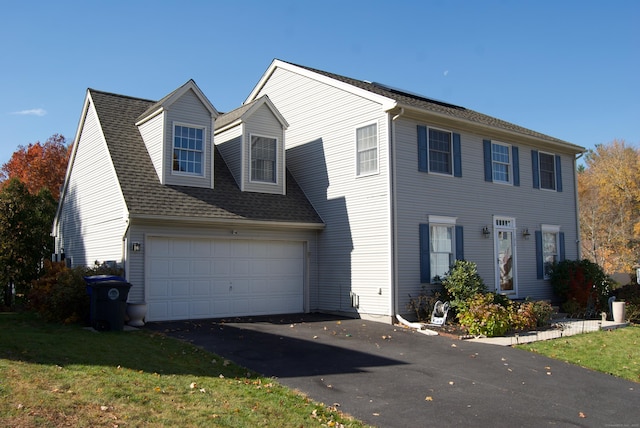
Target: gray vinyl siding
x=139, y=231
x=263, y=123
x=354, y=258
x=93, y=211
x=474, y=202
x=188, y=110
x=229, y=143
x=151, y=132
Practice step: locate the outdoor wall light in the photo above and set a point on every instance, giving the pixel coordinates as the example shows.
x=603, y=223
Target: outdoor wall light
x=234, y=232
x=136, y=246
x=525, y=233
x=486, y=232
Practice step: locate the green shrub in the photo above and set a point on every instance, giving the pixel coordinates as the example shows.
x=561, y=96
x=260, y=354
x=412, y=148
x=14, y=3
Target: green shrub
x=483, y=316
x=462, y=282
x=60, y=294
x=581, y=284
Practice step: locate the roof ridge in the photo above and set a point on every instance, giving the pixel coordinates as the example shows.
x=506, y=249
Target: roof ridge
x=120, y=95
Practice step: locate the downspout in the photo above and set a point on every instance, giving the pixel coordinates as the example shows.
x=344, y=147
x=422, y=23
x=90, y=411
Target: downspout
x=125, y=254
x=393, y=214
x=575, y=190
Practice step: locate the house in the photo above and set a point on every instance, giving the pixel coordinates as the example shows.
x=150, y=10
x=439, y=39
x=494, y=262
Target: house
x=321, y=193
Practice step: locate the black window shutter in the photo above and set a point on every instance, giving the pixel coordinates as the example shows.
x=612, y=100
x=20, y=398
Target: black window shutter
x=535, y=168
x=488, y=169
x=423, y=149
x=459, y=243
x=539, y=259
x=561, y=256
x=457, y=156
x=558, y=174
x=425, y=258
x=516, y=165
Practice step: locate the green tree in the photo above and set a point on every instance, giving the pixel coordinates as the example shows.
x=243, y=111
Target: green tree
x=25, y=236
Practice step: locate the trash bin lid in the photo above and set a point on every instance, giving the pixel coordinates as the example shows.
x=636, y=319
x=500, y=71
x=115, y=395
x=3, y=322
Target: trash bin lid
x=104, y=278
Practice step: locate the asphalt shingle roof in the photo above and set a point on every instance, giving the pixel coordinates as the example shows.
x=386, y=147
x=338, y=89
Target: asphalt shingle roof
x=404, y=98
x=145, y=195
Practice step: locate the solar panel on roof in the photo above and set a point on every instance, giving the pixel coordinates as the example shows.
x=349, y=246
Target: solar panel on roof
x=415, y=95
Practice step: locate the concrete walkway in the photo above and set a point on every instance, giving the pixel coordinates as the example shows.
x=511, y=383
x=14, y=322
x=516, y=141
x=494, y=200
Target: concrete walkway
x=562, y=327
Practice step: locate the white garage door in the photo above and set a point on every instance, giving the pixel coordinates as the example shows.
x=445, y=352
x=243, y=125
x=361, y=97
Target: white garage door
x=208, y=278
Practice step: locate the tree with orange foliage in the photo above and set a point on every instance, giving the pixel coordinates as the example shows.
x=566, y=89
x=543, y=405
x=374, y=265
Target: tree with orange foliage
x=39, y=166
x=609, y=199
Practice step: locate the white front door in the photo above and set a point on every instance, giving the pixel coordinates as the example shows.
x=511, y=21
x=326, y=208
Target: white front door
x=505, y=251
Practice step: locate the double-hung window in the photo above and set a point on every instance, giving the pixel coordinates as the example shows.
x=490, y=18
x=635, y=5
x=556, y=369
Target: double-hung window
x=500, y=163
x=549, y=248
x=263, y=159
x=441, y=249
x=440, y=153
x=547, y=171
x=188, y=149
x=367, y=150
x=441, y=243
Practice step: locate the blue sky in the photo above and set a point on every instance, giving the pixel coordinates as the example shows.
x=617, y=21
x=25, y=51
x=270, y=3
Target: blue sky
x=570, y=69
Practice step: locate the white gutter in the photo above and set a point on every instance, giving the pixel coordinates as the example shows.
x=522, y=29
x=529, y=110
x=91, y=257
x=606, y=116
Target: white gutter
x=575, y=191
x=228, y=222
x=393, y=213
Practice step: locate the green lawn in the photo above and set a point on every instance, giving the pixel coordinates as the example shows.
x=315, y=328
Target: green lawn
x=616, y=352
x=54, y=375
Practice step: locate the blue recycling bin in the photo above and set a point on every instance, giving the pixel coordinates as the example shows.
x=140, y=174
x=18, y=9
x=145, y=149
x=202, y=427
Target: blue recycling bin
x=108, y=295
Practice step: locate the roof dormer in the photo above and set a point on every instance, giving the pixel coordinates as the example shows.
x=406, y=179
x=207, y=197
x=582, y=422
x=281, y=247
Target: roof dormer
x=178, y=134
x=251, y=141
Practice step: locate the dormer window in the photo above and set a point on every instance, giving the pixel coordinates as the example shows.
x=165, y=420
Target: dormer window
x=188, y=149
x=263, y=159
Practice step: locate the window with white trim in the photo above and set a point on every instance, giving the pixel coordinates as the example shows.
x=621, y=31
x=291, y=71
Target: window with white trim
x=263, y=158
x=547, y=171
x=188, y=149
x=441, y=245
x=440, y=153
x=367, y=150
x=500, y=162
x=550, y=247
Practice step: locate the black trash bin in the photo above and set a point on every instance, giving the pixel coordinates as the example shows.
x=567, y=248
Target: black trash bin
x=108, y=294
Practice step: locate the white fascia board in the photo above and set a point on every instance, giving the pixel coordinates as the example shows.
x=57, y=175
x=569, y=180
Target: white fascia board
x=386, y=103
x=74, y=148
x=228, y=222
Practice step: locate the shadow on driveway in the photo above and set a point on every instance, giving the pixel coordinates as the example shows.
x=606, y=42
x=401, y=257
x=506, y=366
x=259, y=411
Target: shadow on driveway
x=286, y=346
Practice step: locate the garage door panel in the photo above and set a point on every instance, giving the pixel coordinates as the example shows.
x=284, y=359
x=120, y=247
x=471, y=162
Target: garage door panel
x=201, y=288
x=180, y=267
x=201, y=267
x=203, y=278
x=159, y=267
x=180, y=288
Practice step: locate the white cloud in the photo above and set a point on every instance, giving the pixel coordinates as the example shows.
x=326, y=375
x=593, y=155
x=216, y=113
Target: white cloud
x=31, y=112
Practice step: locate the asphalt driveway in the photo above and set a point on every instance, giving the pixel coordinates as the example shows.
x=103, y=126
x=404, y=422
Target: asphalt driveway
x=390, y=376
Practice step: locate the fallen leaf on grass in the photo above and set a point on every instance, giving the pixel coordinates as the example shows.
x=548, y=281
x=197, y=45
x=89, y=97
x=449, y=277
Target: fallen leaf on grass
x=193, y=385
x=104, y=408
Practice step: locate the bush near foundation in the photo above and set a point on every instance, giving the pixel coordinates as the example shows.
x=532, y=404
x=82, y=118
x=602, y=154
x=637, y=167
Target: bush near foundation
x=581, y=285
x=60, y=294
